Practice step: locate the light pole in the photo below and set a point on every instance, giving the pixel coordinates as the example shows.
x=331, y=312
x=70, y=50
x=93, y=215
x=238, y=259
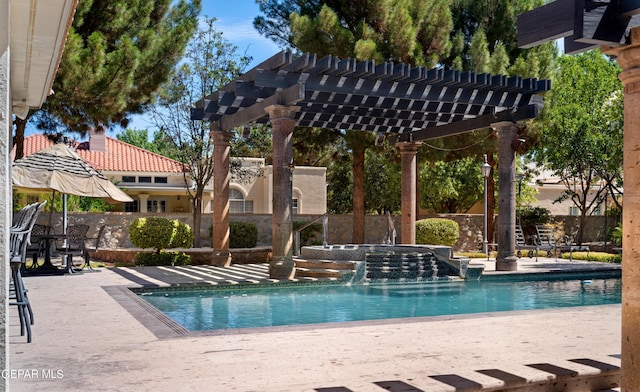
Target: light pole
x=486, y=172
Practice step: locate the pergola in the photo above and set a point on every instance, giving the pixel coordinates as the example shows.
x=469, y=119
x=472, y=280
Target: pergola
x=404, y=103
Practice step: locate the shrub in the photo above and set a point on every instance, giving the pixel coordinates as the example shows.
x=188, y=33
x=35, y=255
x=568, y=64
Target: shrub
x=615, y=235
x=162, y=258
x=160, y=233
x=243, y=235
x=437, y=231
x=594, y=256
x=308, y=236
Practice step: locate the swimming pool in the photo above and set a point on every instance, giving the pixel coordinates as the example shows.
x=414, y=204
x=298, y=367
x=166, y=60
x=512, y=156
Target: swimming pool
x=200, y=309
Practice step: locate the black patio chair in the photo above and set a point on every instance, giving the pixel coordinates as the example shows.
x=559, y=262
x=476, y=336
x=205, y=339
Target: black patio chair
x=73, y=245
x=94, y=244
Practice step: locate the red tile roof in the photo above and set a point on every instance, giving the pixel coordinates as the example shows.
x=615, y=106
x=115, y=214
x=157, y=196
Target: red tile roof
x=119, y=156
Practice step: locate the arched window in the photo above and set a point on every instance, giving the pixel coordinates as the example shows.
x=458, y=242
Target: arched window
x=237, y=203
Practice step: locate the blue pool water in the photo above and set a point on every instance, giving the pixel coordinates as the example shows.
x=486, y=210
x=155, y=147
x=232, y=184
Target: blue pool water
x=215, y=309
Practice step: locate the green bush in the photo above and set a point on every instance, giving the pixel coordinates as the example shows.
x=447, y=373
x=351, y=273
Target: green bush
x=615, y=235
x=308, y=236
x=437, y=231
x=160, y=233
x=601, y=257
x=243, y=235
x=162, y=258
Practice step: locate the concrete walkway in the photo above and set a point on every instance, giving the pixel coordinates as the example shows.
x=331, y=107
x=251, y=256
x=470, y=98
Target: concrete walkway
x=89, y=335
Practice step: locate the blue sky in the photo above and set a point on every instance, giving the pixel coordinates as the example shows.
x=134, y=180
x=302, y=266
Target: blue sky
x=234, y=18
x=235, y=21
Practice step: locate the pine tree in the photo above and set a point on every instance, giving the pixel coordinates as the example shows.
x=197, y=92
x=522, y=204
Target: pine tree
x=117, y=55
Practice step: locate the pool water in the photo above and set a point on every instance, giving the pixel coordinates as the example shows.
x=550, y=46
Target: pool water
x=215, y=309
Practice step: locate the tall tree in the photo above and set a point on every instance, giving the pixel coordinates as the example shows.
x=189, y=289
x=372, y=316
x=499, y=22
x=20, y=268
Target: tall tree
x=160, y=143
x=581, y=137
x=210, y=62
x=116, y=56
x=411, y=31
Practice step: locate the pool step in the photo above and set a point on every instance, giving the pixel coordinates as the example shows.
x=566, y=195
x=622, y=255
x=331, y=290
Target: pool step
x=323, y=268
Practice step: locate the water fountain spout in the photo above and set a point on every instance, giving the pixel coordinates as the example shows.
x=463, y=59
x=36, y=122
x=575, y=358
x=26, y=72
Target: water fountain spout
x=391, y=230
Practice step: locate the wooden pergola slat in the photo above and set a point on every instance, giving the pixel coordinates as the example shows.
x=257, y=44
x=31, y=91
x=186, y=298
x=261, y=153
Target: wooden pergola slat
x=362, y=95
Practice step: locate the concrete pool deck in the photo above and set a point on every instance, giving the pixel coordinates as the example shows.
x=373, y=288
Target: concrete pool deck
x=85, y=338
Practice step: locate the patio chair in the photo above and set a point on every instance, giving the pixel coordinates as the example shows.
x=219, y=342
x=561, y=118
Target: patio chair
x=36, y=245
x=545, y=239
x=521, y=244
x=568, y=244
x=95, y=244
x=73, y=245
x=20, y=236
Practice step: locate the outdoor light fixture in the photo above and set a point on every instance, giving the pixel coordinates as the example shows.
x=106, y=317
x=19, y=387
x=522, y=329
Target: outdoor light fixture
x=486, y=172
x=380, y=139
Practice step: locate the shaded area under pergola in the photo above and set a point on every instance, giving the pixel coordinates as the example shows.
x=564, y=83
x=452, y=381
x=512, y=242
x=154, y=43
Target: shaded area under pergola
x=406, y=104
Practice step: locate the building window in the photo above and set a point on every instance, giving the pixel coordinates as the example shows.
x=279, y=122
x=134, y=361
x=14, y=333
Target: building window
x=131, y=206
x=160, y=180
x=294, y=206
x=128, y=178
x=157, y=205
x=145, y=179
x=237, y=203
x=597, y=211
x=574, y=211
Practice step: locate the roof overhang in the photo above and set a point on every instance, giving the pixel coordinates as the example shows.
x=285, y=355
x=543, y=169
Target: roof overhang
x=37, y=36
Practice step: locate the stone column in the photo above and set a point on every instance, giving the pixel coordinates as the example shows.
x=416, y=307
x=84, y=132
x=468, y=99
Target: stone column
x=629, y=60
x=282, y=124
x=221, y=179
x=6, y=209
x=142, y=202
x=408, y=152
x=506, y=236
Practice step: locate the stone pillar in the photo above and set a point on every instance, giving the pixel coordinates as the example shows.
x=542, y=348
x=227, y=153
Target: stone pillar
x=629, y=60
x=142, y=202
x=408, y=152
x=221, y=180
x=282, y=124
x=6, y=133
x=506, y=236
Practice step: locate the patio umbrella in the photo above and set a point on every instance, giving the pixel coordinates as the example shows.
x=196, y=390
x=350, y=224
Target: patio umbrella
x=59, y=168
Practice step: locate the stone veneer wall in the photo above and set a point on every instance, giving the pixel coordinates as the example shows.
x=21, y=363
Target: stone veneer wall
x=340, y=227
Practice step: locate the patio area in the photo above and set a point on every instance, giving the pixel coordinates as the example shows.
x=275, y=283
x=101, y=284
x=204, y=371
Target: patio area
x=86, y=338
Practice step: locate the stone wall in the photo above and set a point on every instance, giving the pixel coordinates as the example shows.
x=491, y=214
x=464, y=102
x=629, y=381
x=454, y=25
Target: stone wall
x=339, y=232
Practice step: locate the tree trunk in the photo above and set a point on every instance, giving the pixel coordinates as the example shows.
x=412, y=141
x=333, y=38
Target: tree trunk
x=358, y=194
x=491, y=200
x=18, y=140
x=197, y=219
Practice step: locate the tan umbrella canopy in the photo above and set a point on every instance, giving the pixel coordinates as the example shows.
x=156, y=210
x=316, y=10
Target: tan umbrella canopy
x=61, y=169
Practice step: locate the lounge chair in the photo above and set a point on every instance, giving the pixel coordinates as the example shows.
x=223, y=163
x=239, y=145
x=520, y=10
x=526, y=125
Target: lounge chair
x=545, y=239
x=521, y=244
x=568, y=244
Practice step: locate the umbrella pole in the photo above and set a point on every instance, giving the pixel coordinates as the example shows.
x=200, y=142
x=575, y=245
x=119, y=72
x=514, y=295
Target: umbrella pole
x=64, y=217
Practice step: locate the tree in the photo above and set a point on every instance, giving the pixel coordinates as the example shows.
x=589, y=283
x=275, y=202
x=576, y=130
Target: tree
x=581, y=123
x=411, y=31
x=210, y=62
x=116, y=56
x=160, y=144
x=451, y=187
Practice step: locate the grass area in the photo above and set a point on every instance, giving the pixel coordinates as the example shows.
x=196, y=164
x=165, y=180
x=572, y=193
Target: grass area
x=601, y=257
